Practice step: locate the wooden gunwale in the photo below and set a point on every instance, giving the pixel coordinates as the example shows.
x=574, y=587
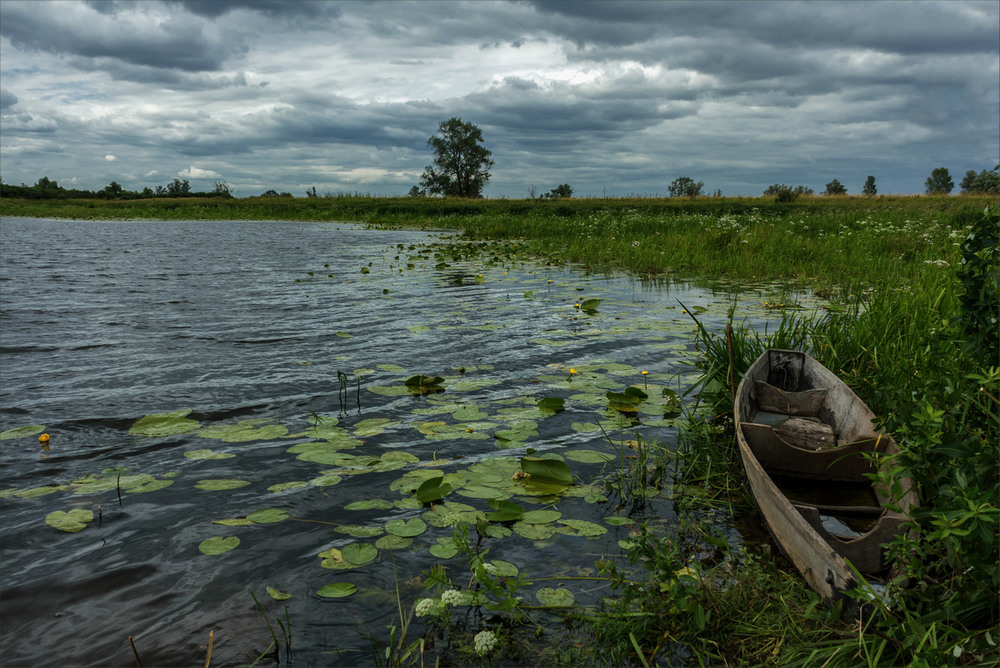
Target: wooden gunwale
x=820, y=557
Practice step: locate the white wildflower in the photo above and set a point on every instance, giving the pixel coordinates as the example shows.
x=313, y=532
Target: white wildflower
x=452, y=597
x=425, y=606
x=485, y=641
x=491, y=569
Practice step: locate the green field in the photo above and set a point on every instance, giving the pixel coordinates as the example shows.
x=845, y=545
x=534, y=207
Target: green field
x=913, y=325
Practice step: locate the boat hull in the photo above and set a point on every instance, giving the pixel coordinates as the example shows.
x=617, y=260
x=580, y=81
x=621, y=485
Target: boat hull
x=838, y=443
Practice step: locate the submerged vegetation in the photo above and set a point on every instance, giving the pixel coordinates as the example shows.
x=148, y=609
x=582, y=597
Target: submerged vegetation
x=912, y=327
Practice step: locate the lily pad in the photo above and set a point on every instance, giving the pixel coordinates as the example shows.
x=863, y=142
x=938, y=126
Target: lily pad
x=285, y=486
x=278, y=595
x=359, y=554
x=541, y=516
x=151, y=486
x=581, y=528
x=325, y=480
x=221, y=484
x=534, y=531
x=70, y=521
x=21, y=432
x=268, y=516
x=406, y=528
x=164, y=424
x=588, y=456
x=218, y=545
x=207, y=454
x=555, y=598
x=337, y=590
x=444, y=548
x=359, y=530
x=369, y=504
x=547, y=470
x=235, y=522
x=392, y=542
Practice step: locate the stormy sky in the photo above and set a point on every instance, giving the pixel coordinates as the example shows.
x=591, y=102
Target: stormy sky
x=614, y=98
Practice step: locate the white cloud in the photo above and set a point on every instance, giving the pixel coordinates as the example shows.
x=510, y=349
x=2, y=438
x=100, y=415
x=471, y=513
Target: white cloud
x=193, y=172
x=110, y=158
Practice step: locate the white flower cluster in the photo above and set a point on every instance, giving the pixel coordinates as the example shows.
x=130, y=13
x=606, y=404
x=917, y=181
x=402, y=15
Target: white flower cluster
x=491, y=569
x=485, y=641
x=938, y=263
x=425, y=606
x=452, y=597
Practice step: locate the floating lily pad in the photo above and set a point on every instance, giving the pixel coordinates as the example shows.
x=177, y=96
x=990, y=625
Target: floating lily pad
x=392, y=542
x=406, y=528
x=588, y=456
x=221, y=484
x=285, y=486
x=547, y=470
x=503, y=569
x=555, y=598
x=359, y=554
x=337, y=590
x=35, y=492
x=151, y=486
x=541, y=516
x=278, y=595
x=369, y=504
x=444, y=548
x=359, y=530
x=70, y=521
x=581, y=528
x=432, y=489
x=325, y=480
x=391, y=368
x=552, y=403
x=472, y=414
x=618, y=521
x=373, y=426
x=534, y=531
x=207, y=454
x=504, y=511
x=164, y=424
x=21, y=432
x=235, y=522
x=268, y=516
x=218, y=544
x=483, y=492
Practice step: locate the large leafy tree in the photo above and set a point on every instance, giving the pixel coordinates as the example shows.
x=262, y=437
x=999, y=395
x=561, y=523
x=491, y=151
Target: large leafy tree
x=835, y=187
x=939, y=182
x=461, y=163
x=685, y=186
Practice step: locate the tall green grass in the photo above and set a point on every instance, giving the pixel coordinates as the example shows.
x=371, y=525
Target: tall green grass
x=926, y=358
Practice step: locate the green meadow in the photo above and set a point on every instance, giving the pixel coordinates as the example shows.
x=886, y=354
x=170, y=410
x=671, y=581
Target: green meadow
x=912, y=323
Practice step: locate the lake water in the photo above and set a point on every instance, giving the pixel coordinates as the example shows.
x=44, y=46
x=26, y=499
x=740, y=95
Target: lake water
x=282, y=350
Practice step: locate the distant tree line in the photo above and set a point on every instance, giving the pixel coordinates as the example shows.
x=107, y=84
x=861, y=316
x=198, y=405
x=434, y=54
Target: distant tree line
x=46, y=188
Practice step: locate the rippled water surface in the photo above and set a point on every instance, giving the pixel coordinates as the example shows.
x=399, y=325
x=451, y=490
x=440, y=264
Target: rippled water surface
x=289, y=343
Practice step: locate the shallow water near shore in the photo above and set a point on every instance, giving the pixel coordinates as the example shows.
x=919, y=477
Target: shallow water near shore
x=272, y=357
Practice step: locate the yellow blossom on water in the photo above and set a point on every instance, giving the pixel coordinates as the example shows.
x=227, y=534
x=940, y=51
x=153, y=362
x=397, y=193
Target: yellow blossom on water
x=645, y=373
x=572, y=371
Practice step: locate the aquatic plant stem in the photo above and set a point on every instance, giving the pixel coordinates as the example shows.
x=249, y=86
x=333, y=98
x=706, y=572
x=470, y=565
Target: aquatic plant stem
x=208, y=654
x=135, y=652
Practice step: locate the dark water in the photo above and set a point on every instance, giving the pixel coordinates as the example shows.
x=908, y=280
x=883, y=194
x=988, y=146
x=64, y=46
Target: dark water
x=103, y=323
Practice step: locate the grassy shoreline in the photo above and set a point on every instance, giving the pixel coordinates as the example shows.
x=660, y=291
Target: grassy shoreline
x=913, y=330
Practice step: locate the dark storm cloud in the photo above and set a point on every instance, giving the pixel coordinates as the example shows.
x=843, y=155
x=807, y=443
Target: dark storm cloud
x=7, y=99
x=618, y=95
x=177, y=42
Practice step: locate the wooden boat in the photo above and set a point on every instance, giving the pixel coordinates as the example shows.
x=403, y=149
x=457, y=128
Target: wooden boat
x=795, y=419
